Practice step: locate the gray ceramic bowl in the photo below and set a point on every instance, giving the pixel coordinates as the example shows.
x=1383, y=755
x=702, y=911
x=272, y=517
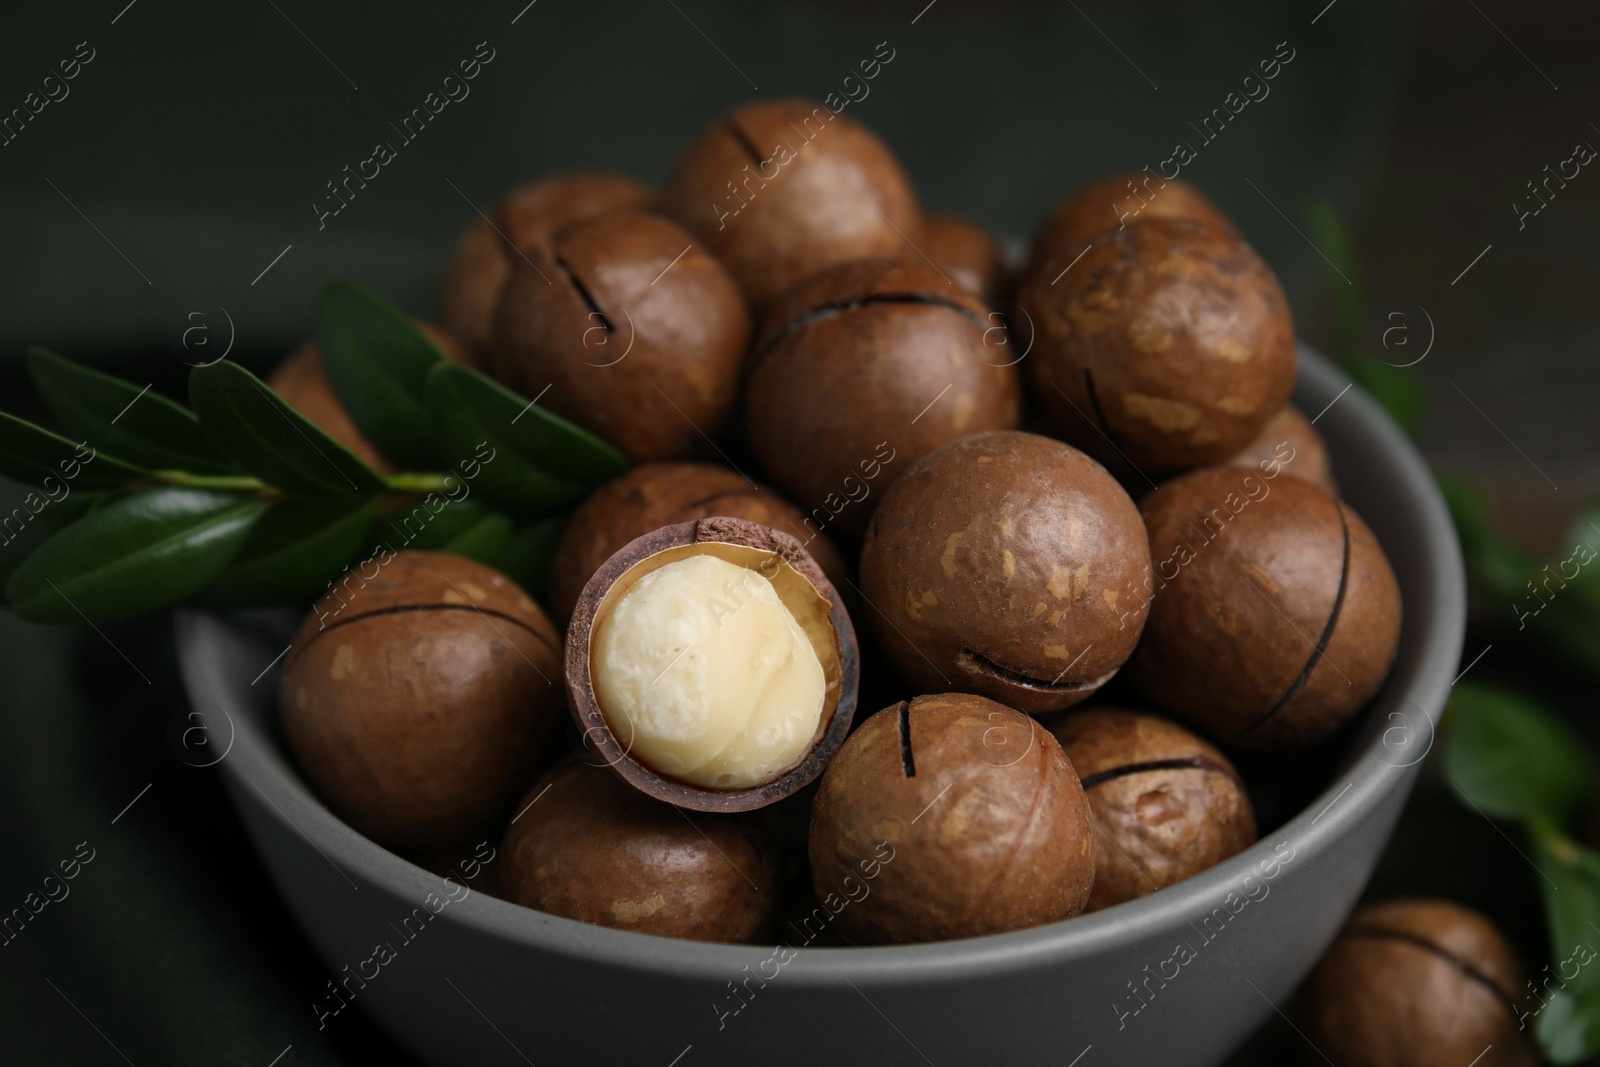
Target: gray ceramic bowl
x=1178, y=978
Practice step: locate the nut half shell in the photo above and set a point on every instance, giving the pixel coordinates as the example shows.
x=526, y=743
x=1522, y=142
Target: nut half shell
x=804, y=590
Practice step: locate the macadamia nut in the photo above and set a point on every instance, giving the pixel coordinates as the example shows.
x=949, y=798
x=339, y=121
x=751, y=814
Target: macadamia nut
x=708, y=675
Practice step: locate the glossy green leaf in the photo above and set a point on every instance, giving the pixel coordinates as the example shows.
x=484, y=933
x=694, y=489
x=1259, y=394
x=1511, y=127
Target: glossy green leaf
x=141, y=552
x=1512, y=758
x=484, y=541
x=268, y=438
x=33, y=520
x=135, y=423
x=1345, y=281
x=1495, y=565
x=378, y=361
x=426, y=524
x=527, y=555
x=1567, y=1025
x=1398, y=390
x=531, y=462
x=31, y=454
x=292, y=552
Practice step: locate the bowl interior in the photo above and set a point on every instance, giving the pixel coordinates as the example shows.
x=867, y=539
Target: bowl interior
x=1380, y=475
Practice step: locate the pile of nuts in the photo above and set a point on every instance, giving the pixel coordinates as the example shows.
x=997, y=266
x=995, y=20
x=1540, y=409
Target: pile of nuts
x=1080, y=482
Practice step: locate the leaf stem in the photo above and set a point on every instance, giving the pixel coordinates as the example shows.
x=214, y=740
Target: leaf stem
x=211, y=481
x=421, y=483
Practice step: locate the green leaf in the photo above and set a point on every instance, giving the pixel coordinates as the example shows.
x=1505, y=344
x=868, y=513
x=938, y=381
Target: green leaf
x=425, y=525
x=1568, y=1025
x=268, y=438
x=484, y=541
x=1496, y=565
x=23, y=529
x=292, y=552
x=143, y=427
x=1513, y=759
x=526, y=557
x=531, y=462
x=1399, y=391
x=31, y=454
x=378, y=361
x=144, y=551
x=1330, y=235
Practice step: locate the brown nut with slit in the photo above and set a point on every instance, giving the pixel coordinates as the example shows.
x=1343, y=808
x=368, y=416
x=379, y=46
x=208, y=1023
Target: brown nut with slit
x=1166, y=804
x=588, y=846
x=418, y=701
x=865, y=369
x=653, y=495
x=1289, y=442
x=1010, y=565
x=950, y=816
x=968, y=255
x=481, y=265
x=1167, y=346
x=302, y=381
x=1275, y=615
x=1418, y=983
x=711, y=664
x=1114, y=202
x=636, y=331
x=781, y=189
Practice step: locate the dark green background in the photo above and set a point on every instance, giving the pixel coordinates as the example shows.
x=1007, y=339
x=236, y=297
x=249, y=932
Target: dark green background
x=199, y=136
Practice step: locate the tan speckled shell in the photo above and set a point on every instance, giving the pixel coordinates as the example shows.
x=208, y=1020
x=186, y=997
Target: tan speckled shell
x=1167, y=346
x=665, y=376
x=991, y=833
x=1010, y=565
x=590, y=847
x=863, y=370
x=967, y=254
x=1419, y=983
x=419, y=700
x=1112, y=202
x=480, y=266
x=653, y=495
x=1283, y=621
x=1290, y=441
x=842, y=196
x=1161, y=824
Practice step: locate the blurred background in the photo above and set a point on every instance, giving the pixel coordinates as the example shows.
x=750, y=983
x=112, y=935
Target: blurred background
x=1390, y=178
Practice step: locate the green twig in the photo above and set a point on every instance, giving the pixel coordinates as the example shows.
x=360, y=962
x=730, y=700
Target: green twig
x=422, y=483
x=211, y=481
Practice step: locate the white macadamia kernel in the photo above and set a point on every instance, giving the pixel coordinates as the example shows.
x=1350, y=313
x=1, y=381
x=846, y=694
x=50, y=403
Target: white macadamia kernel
x=703, y=674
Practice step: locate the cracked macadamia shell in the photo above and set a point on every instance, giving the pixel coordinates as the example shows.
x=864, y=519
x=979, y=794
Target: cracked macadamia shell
x=653, y=495
x=1010, y=565
x=1420, y=982
x=481, y=265
x=950, y=816
x=1113, y=202
x=865, y=369
x=418, y=701
x=967, y=254
x=1290, y=441
x=1168, y=346
x=636, y=330
x=1275, y=614
x=644, y=755
x=590, y=847
x=301, y=380
x=781, y=189
x=1166, y=804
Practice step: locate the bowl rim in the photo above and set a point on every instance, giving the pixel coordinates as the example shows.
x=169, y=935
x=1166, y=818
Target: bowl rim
x=256, y=763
